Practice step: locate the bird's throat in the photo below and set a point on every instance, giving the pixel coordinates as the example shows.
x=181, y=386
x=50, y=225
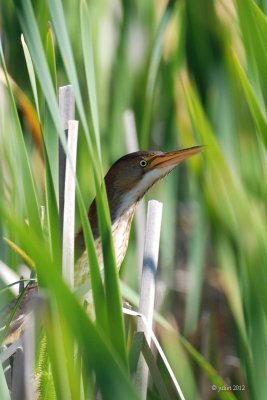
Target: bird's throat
x=121, y=228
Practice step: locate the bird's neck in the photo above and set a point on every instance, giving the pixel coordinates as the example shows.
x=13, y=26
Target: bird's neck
x=122, y=209
x=121, y=220
x=121, y=212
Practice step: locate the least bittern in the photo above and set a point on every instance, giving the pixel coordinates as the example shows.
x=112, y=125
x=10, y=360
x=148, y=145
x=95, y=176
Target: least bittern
x=127, y=181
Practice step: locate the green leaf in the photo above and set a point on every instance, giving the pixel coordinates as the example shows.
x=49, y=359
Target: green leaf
x=51, y=56
x=29, y=25
x=196, y=265
x=96, y=351
x=88, y=59
x=50, y=136
x=23, y=161
x=253, y=26
x=60, y=28
x=52, y=214
x=152, y=74
x=31, y=74
x=256, y=108
x=98, y=292
x=112, y=287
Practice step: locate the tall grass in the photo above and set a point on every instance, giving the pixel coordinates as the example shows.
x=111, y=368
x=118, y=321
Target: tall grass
x=192, y=73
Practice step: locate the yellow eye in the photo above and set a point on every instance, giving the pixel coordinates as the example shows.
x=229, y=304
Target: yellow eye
x=143, y=163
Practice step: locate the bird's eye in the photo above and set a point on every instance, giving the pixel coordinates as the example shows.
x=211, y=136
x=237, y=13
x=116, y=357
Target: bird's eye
x=143, y=163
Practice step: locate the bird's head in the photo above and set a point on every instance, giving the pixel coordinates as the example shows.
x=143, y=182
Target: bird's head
x=131, y=176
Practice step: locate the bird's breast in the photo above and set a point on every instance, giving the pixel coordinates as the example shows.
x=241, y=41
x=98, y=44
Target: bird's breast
x=121, y=227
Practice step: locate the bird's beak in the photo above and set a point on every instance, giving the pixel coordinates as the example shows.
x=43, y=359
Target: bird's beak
x=174, y=158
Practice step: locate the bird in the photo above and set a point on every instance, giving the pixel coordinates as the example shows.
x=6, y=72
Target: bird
x=127, y=181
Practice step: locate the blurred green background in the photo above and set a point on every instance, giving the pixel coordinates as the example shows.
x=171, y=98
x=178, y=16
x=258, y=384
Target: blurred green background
x=193, y=72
